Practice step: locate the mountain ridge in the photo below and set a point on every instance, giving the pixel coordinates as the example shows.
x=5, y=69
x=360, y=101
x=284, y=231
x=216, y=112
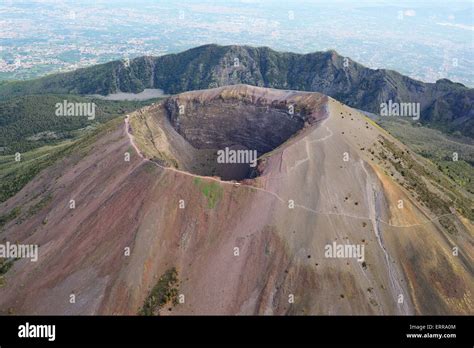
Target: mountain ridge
x=445, y=105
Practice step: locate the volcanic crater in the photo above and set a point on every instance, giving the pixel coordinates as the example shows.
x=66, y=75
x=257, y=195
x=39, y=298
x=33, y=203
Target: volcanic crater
x=282, y=249
x=187, y=131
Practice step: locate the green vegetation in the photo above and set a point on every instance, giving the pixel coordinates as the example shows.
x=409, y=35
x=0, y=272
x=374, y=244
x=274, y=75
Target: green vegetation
x=102, y=79
x=33, y=210
x=165, y=291
x=448, y=223
x=15, y=175
x=437, y=147
x=5, y=265
x=448, y=104
x=149, y=167
x=211, y=190
x=82, y=81
x=30, y=122
x=165, y=160
x=415, y=180
x=29, y=126
x=460, y=172
x=12, y=214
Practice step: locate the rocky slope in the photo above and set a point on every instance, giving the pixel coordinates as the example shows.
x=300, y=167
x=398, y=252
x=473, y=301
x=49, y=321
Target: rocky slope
x=444, y=104
x=201, y=245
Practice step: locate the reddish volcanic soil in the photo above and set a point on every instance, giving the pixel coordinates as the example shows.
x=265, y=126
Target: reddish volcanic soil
x=303, y=197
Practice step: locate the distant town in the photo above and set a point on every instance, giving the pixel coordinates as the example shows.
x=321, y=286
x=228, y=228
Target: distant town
x=426, y=43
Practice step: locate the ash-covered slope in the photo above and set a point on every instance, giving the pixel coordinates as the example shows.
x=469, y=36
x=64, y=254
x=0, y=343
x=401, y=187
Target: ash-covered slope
x=326, y=176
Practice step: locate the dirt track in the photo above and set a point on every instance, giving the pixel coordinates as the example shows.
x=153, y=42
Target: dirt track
x=281, y=250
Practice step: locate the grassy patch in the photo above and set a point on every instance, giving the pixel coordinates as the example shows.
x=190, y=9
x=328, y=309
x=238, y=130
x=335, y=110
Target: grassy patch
x=40, y=205
x=15, y=175
x=211, y=190
x=149, y=167
x=461, y=172
x=12, y=214
x=165, y=291
x=5, y=265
